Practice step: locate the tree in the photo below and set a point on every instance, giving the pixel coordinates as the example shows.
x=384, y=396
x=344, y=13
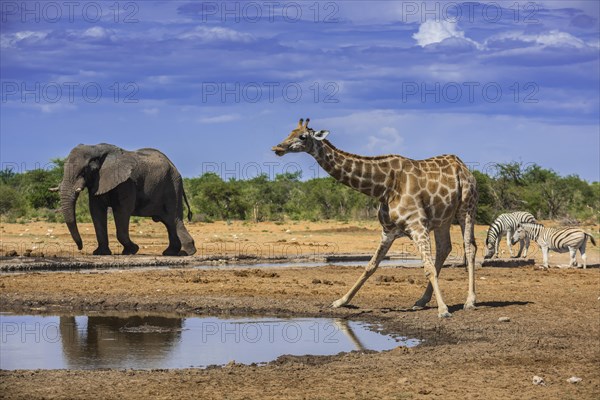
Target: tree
x=486, y=208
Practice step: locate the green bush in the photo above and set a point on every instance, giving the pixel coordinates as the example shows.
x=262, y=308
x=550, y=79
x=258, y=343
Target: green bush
x=510, y=187
x=11, y=201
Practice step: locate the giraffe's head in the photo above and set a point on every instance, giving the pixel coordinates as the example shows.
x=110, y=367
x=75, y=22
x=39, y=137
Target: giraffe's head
x=301, y=139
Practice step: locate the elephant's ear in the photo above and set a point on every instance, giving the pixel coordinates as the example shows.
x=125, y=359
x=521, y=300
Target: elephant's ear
x=115, y=169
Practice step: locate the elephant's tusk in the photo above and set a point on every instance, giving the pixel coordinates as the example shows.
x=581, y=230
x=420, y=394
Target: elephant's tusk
x=54, y=189
x=78, y=190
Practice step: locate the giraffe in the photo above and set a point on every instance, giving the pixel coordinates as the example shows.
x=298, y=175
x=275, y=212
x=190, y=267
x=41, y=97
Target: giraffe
x=416, y=197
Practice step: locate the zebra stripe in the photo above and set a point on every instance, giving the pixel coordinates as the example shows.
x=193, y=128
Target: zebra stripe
x=505, y=223
x=560, y=240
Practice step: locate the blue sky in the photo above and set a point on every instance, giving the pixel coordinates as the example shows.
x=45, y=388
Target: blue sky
x=215, y=84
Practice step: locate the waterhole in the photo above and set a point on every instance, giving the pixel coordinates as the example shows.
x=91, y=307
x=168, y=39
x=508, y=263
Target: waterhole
x=148, y=342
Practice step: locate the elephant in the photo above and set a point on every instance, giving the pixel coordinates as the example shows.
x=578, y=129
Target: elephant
x=141, y=183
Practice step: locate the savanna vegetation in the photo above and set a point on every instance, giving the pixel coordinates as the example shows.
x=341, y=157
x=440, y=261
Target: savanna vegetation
x=513, y=186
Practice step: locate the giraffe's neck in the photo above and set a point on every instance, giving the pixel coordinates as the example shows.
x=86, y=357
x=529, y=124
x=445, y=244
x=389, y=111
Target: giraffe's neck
x=365, y=174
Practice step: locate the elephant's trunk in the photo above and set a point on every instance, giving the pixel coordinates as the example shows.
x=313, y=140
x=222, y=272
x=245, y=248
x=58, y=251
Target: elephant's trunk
x=68, y=198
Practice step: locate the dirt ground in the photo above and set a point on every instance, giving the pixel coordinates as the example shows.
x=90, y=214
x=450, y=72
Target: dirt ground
x=553, y=332
x=264, y=240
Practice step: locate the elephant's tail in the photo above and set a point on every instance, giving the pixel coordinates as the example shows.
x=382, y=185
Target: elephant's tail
x=188, y=206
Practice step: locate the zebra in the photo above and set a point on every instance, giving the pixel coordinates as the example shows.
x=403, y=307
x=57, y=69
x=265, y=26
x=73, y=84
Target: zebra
x=506, y=223
x=556, y=239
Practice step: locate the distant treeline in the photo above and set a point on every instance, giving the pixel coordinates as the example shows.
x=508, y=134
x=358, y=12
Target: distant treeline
x=512, y=186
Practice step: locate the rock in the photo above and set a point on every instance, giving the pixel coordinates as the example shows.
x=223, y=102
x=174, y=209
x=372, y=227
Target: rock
x=574, y=379
x=538, y=380
x=504, y=319
x=316, y=281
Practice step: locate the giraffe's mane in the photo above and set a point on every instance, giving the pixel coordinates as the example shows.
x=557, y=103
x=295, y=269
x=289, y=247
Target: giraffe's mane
x=347, y=154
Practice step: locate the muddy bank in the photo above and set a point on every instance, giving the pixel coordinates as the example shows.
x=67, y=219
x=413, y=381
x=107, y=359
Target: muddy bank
x=47, y=264
x=23, y=264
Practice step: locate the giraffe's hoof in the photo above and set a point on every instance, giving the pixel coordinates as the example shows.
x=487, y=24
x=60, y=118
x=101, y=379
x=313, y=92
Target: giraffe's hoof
x=338, y=303
x=469, y=306
x=417, y=307
x=445, y=314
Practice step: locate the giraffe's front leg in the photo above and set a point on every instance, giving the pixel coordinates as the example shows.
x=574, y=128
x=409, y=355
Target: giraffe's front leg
x=384, y=246
x=471, y=250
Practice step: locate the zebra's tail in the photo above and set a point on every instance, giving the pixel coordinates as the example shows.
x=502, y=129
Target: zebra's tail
x=591, y=238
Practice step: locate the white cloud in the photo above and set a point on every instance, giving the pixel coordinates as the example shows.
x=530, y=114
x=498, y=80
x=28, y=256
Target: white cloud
x=218, y=119
x=206, y=34
x=557, y=38
x=431, y=32
x=435, y=31
x=380, y=128
x=387, y=140
x=12, y=39
x=96, y=32
x=553, y=38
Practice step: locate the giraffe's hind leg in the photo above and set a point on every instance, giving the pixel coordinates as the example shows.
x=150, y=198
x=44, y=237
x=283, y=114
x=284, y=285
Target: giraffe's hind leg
x=443, y=247
x=466, y=219
x=420, y=236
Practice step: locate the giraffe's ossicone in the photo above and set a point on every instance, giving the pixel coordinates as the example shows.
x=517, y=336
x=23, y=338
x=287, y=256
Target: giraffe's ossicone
x=416, y=197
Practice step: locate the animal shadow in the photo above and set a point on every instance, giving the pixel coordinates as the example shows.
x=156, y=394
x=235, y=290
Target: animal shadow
x=491, y=304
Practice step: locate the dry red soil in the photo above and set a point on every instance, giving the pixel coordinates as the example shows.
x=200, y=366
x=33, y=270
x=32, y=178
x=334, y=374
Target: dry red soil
x=553, y=332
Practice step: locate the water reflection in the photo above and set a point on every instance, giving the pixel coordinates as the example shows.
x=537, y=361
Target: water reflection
x=95, y=341
x=142, y=342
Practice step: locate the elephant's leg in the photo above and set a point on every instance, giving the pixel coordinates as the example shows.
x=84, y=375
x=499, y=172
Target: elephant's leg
x=98, y=212
x=174, y=242
x=122, y=224
x=174, y=216
x=188, y=247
